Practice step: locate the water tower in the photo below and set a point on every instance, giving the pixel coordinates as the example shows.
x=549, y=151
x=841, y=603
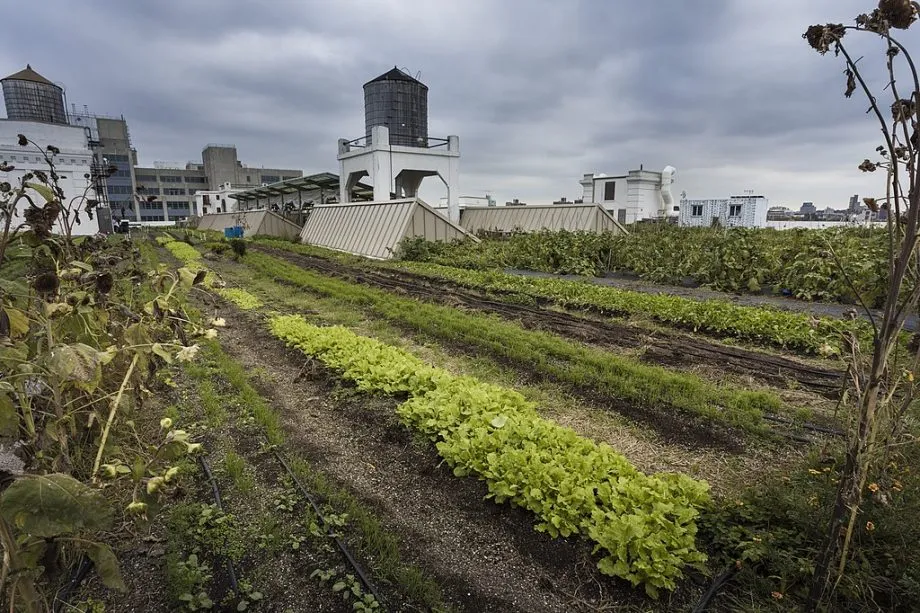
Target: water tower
x=396, y=152
x=31, y=97
x=399, y=102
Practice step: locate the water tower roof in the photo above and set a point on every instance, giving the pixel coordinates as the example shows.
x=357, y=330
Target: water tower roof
x=27, y=74
x=396, y=75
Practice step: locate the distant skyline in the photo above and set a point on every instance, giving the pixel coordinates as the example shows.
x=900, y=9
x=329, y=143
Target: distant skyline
x=539, y=92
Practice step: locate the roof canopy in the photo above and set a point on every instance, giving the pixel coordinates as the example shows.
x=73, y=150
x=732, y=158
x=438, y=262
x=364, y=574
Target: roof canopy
x=375, y=229
x=323, y=181
x=396, y=75
x=27, y=74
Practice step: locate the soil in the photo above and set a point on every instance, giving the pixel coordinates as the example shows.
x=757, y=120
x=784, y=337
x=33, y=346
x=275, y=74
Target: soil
x=487, y=557
x=658, y=347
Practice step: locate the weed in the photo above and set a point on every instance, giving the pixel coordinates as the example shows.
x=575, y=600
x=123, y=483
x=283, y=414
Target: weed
x=236, y=468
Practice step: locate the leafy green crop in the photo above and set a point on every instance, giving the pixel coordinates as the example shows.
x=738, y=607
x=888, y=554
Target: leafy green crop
x=644, y=526
x=548, y=354
x=833, y=264
x=239, y=297
x=182, y=251
x=802, y=331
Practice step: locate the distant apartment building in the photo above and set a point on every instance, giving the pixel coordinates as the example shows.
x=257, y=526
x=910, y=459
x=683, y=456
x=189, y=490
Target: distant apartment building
x=636, y=196
x=174, y=188
x=746, y=211
x=855, y=204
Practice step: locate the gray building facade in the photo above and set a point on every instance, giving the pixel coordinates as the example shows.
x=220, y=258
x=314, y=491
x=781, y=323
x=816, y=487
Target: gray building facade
x=174, y=189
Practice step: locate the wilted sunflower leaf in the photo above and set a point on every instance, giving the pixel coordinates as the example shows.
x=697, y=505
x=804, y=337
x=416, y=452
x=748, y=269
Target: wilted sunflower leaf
x=43, y=190
x=106, y=566
x=187, y=277
x=18, y=322
x=47, y=506
x=9, y=416
x=79, y=364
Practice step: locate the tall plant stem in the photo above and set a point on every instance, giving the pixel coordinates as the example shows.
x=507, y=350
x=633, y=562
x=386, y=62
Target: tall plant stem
x=112, y=412
x=25, y=585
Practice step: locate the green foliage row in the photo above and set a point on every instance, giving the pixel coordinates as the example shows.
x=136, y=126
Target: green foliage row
x=181, y=250
x=786, y=329
x=547, y=354
x=644, y=525
x=239, y=297
x=837, y=264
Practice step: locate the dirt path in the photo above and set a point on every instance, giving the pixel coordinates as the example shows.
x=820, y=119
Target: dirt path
x=488, y=557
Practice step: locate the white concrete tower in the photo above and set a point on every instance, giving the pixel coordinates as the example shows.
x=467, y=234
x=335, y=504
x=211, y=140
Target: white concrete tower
x=396, y=153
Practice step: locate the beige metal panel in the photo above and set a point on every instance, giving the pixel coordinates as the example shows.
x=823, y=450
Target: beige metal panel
x=527, y=218
x=375, y=229
x=276, y=225
x=368, y=229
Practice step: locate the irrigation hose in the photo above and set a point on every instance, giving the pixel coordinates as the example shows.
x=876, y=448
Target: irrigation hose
x=329, y=531
x=210, y=477
x=62, y=598
x=704, y=601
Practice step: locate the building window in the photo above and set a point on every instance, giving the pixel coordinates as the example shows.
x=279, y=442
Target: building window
x=270, y=178
x=734, y=210
x=248, y=178
x=196, y=179
x=118, y=189
x=173, y=191
x=610, y=190
x=170, y=179
x=150, y=190
x=696, y=210
x=150, y=178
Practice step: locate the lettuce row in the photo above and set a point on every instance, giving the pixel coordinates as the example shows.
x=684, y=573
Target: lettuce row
x=239, y=297
x=644, y=526
x=801, y=331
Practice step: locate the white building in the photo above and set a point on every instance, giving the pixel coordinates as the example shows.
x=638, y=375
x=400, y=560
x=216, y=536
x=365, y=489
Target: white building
x=746, y=211
x=74, y=161
x=209, y=202
x=637, y=195
x=468, y=201
x=35, y=109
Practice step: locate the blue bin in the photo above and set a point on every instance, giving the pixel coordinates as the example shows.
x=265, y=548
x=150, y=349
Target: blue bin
x=233, y=232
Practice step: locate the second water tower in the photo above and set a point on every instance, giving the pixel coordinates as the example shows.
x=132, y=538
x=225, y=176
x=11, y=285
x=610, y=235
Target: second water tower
x=398, y=101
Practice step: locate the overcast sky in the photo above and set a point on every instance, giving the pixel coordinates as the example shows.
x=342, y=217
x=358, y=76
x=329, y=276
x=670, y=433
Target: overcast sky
x=539, y=92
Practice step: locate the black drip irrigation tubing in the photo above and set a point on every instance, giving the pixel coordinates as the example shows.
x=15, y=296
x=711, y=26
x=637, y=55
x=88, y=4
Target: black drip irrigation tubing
x=804, y=426
x=722, y=579
x=329, y=531
x=210, y=477
x=62, y=598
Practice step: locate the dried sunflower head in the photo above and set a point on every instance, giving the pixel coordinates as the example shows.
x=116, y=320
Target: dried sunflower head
x=899, y=14
x=46, y=283
x=820, y=38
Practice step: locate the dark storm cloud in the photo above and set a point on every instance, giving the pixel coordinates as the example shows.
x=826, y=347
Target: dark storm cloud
x=539, y=91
